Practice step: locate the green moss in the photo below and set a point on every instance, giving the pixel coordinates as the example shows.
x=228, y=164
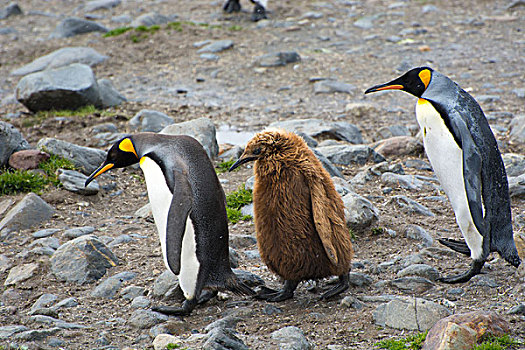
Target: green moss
x=145, y=29
x=504, y=342
x=412, y=342
x=117, y=31
x=377, y=231
x=224, y=166
x=171, y=346
x=40, y=116
x=22, y=181
x=54, y=163
x=177, y=26
x=235, y=28
x=235, y=201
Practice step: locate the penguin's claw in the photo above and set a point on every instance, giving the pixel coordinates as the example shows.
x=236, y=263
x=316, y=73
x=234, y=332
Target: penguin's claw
x=185, y=310
x=271, y=295
x=337, y=289
x=475, y=269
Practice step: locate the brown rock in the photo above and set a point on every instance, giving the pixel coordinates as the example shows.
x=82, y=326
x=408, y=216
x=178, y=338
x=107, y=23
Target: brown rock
x=398, y=146
x=27, y=159
x=463, y=331
x=519, y=238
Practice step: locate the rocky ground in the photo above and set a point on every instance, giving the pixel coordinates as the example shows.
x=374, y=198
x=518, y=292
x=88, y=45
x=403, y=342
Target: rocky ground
x=344, y=48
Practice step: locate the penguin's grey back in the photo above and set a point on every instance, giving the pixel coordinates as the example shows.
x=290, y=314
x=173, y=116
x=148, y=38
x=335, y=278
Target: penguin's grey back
x=453, y=102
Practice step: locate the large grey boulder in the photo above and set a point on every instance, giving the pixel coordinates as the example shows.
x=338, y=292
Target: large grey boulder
x=328, y=165
x=291, y=338
x=514, y=164
x=350, y=154
x=360, y=213
x=11, y=140
x=411, y=314
x=73, y=26
x=11, y=9
x=69, y=87
x=95, y=5
x=62, y=57
x=29, y=212
x=149, y=120
x=82, y=260
x=150, y=19
x=75, y=182
x=85, y=158
x=109, y=96
x=202, y=129
x=318, y=128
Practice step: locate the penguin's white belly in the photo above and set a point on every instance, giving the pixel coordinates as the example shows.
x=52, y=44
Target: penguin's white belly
x=447, y=161
x=160, y=198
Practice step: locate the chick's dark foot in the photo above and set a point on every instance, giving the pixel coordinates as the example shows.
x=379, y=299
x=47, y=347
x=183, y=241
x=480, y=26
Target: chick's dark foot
x=338, y=288
x=232, y=6
x=271, y=295
x=258, y=13
x=474, y=270
x=185, y=310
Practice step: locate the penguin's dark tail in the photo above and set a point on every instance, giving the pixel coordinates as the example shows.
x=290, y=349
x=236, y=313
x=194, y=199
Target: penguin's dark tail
x=458, y=246
x=510, y=254
x=235, y=285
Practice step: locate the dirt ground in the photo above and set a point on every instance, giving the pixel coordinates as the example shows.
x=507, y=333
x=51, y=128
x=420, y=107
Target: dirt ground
x=479, y=44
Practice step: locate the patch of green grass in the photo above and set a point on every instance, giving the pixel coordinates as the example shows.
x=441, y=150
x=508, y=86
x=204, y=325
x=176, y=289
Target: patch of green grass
x=54, y=163
x=224, y=166
x=145, y=29
x=377, y=231
x=117, y=31
x=235, y=28
x=177, y=26
x=412, y=342
x=22, y=181
x=171, y=346
x=235, y=201
x=40, y=116
x=504, y=342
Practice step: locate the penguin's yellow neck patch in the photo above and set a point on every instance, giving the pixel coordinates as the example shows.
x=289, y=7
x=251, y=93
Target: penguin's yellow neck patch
x=422, y=101
x=142, y=160
x=127, y=146
x=425, y=76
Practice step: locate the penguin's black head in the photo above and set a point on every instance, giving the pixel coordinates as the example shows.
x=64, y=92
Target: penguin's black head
x=415, y=82
x=120, y=155
x=266, y=144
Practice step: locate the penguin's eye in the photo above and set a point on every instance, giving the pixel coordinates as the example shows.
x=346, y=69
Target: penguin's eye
x=257, y=151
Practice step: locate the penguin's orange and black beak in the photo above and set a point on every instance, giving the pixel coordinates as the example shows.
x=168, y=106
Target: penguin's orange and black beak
x=101, y=169
x=241, y=161
x=395, y=84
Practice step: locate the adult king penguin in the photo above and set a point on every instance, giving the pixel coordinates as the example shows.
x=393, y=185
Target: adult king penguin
x=188, y=206
x=466, y=160
x=299, y=216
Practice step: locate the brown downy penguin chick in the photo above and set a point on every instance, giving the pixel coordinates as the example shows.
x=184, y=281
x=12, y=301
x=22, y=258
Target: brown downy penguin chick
x=299, y=216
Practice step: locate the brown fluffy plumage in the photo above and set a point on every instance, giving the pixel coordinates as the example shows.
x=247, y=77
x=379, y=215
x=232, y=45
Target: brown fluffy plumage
x=299, y=217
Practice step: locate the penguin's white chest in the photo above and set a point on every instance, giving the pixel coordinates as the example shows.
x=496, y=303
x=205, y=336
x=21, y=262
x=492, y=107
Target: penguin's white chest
x=160, y=198
x=447, y=161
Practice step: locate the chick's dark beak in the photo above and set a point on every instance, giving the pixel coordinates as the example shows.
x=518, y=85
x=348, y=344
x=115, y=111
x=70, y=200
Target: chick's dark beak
x=101, y=169
x=393, y=85
x=241, y=161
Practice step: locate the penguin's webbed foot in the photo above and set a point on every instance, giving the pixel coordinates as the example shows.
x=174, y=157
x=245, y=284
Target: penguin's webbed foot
x=338, y=288
x=258, y=13
x=455, y=245
x=232, y=6
x=271, y=295
x=185, y=310
x=475, y=269
x=206, y=295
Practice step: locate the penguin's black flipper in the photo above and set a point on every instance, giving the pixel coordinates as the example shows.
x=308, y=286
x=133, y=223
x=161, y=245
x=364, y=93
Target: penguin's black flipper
x=180, y=208
x=458, y=246
x=475, y=269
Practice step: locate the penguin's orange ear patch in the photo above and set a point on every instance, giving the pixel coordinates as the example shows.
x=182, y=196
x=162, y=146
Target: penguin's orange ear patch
x=425, y=76
x=127, y=146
